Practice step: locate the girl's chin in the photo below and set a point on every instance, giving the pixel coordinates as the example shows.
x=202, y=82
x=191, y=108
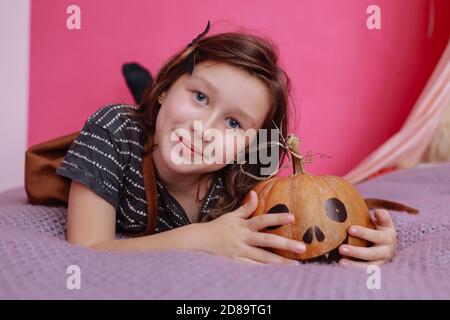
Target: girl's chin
x=192, y=168
x=186, y=165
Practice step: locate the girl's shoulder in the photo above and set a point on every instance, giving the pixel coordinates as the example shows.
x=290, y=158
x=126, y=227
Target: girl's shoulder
x=116, y=123
x=100, y=155
x=113, y=117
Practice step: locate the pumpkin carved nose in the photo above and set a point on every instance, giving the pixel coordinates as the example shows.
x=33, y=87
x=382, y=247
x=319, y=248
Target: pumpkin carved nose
x=309, y=235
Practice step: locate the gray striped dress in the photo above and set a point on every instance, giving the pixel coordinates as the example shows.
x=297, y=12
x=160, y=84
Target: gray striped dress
x=107, y=156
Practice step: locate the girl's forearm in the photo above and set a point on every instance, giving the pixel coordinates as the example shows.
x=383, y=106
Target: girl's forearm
x=188, y=237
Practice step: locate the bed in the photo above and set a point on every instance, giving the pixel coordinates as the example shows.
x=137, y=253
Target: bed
x=34, y=257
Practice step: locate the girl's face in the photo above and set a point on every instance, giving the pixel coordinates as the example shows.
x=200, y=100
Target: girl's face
x=211, y=110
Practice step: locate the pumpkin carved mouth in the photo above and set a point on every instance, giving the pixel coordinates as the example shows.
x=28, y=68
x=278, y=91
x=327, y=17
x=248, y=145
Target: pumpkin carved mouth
x=329, y=257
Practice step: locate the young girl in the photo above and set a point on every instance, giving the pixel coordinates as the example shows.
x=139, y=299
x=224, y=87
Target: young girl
x=236, y=85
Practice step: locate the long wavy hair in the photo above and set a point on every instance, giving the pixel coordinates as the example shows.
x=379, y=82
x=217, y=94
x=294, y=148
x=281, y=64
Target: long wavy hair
x=256, y=55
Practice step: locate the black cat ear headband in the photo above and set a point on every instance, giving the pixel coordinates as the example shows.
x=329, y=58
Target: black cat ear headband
x=190, y=60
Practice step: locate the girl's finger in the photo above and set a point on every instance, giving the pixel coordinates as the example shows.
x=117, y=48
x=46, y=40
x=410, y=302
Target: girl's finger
x=363, y=253
x=383, y=218
x=359, y=264
x=269, y=220
x=249, y=206
x=261, y=239
x=250, y=261
x=265, y=256
x=375, y=236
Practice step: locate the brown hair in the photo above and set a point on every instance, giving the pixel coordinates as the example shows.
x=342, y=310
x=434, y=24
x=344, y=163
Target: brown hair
x=252, y=53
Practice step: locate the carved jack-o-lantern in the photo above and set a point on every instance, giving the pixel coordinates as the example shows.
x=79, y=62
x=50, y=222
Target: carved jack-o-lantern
x=324, y=208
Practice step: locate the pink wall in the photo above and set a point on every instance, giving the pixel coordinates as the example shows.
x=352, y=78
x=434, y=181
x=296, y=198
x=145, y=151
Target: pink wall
x=353, y=87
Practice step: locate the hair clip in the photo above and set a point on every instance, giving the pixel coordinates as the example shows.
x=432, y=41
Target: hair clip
x=190, y=60
x=200, y=36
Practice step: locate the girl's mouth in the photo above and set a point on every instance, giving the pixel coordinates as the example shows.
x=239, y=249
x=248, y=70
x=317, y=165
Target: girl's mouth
x=193, y=150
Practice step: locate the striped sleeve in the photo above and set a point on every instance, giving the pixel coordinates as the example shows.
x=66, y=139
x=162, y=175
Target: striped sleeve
x=94, y=159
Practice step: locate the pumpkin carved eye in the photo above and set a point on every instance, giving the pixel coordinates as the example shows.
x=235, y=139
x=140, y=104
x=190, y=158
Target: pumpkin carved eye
x=278, y=208
x=336, y=210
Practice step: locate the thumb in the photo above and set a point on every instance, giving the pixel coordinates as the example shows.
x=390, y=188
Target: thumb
x=250, y=205
x=383, y=218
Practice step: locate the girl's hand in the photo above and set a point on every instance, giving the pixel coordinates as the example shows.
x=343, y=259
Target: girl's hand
x=384, y=240
x=234, y=236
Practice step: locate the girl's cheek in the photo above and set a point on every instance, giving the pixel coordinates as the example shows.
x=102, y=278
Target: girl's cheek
x=181, y=108
x=232, y=146
x=181, y=112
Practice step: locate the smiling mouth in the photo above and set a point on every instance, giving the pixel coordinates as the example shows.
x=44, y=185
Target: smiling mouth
x=329, y=257
x=180, y=139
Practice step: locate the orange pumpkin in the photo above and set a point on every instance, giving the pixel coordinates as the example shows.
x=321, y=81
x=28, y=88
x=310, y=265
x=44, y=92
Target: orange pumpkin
x=324, y=208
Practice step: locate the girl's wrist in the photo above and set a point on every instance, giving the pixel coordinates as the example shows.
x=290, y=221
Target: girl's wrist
x=199, y=237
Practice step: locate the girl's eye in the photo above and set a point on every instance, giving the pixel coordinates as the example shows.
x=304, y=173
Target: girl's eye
x=200, y=96
x=234, y=124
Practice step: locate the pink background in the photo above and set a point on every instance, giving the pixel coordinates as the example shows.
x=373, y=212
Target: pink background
x=352, y=87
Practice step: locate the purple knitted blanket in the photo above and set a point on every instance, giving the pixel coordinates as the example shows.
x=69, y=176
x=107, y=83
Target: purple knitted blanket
x=34, y=257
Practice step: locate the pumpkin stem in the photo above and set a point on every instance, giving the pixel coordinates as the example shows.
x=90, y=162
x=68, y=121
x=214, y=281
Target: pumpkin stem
x=292, y=142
